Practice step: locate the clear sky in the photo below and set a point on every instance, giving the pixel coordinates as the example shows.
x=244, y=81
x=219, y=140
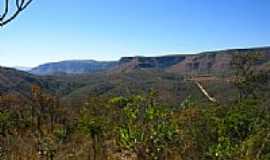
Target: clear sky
x=53, y=30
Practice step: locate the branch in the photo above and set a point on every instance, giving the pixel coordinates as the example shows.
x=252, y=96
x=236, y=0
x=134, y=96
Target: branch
x=5, y=11
x=20, y=6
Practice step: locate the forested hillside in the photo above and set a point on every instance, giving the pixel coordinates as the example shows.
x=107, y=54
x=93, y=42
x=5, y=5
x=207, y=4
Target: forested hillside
x=139, y=114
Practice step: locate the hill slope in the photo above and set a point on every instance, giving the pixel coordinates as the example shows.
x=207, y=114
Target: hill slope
x=20, y=83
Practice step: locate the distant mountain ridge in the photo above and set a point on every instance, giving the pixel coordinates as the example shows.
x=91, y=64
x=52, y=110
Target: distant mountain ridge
x=212, y=61
x=73, y=67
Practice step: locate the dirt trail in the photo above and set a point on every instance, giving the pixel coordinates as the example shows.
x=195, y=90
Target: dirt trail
x=212, y=99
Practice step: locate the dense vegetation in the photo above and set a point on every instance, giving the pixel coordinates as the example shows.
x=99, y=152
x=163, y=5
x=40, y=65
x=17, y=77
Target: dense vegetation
x=141, y=126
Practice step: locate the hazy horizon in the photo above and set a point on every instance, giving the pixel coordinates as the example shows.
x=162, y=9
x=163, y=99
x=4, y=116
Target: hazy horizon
x=51, y=31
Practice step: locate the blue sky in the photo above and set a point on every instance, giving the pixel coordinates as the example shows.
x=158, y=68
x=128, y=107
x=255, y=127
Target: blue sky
x=51, y=30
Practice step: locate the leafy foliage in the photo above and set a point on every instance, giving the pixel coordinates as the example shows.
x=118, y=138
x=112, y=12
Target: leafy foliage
x=146, y=128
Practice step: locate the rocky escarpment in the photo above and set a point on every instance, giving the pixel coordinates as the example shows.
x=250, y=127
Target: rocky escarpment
x=216, y=61
x=153, y=62
x=163, y=62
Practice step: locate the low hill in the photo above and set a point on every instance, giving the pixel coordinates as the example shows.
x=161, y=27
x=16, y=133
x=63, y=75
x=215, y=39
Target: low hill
x=20, y=83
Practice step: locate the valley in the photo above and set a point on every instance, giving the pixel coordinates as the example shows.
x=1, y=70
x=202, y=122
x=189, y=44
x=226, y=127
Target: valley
x=172, y=76
x=137, y=108
x=134, y=80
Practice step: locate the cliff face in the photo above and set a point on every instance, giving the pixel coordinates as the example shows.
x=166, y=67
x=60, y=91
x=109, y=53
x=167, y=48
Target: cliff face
x=216, y=61
x=203, y=63
x=130, y=63
x=153, y=62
